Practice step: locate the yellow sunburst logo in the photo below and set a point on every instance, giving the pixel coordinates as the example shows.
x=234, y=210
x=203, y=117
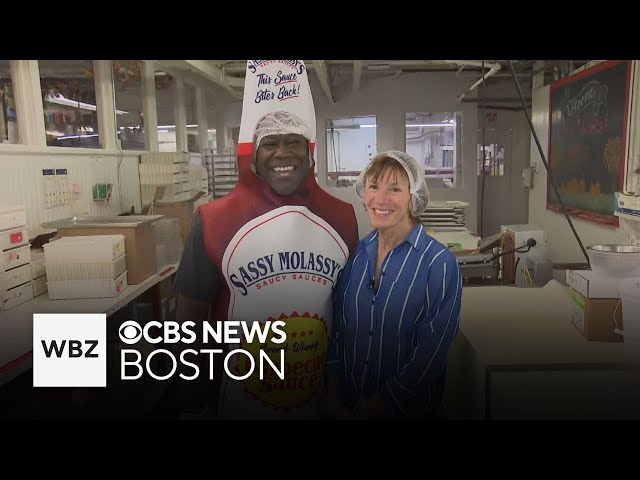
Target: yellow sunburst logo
x=305, y=351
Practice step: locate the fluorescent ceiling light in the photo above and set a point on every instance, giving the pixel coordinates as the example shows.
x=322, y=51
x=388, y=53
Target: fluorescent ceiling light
x=352, y=127
x=212, y=130
x=74, y=103
x=77, y=136
x=432, y=125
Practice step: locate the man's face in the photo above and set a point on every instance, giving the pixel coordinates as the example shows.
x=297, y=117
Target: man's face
x=283, y=162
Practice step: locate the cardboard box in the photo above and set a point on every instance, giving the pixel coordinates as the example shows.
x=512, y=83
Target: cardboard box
x=592, y=286
x=139, y=244
x=627, y=202
x=594, y=317
x=180, y=209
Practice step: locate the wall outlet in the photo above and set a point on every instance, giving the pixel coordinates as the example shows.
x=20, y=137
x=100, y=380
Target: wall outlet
x=50, y=188
x=63, y=191
x=527, y=177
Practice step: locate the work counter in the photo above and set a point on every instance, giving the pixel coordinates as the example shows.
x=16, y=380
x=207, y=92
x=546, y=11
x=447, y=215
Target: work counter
x=16, y=324
x=518, y=355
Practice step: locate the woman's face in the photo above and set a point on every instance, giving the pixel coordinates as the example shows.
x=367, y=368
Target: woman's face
x=388, y=199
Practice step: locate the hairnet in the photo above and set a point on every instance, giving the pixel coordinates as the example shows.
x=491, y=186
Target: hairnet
x=417, y=181
x=280, y=123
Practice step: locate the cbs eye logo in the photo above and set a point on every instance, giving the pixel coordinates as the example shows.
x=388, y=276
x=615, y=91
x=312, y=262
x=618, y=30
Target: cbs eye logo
x=130, y=332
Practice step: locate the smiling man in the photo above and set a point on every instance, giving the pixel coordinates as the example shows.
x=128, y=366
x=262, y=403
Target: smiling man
x=272, y=249
x=283, y=160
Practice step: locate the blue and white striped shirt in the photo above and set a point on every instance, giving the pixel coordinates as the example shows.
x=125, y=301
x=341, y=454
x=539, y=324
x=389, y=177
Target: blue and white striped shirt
x=395, y=340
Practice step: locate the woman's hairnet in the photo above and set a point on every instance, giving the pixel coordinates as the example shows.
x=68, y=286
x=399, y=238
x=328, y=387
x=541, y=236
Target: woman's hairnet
x=280, y=123
x=417, y=181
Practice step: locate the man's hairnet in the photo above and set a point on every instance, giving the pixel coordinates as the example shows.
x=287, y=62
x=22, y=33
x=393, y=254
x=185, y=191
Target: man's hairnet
x=280, y=123
x=417, y=181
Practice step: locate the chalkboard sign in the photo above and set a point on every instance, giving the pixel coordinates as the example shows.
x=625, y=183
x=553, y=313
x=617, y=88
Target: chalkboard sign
x=587, y=140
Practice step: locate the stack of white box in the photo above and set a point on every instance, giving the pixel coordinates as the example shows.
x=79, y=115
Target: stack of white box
x=15, y=256
x=92, y=266
x=38, y=273
x=208, y=165
x=199, y=183
x=167, y=169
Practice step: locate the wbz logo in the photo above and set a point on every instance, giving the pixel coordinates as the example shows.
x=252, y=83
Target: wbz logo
x=69, y=350
x=74, y=349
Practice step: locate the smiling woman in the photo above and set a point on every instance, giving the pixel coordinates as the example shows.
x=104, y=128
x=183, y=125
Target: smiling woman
x=390, y=362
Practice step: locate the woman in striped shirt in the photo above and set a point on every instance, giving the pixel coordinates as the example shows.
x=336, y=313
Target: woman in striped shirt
x=396, y=305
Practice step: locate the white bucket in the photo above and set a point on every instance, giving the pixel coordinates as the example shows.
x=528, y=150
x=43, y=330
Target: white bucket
x=629, y=289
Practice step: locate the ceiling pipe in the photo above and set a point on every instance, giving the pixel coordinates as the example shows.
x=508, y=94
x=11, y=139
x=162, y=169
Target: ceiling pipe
x=475, y=63
x=493, y=68
x=494, y=99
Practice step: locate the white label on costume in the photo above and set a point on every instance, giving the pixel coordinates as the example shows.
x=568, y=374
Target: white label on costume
x=282, y=265
x=273, y=85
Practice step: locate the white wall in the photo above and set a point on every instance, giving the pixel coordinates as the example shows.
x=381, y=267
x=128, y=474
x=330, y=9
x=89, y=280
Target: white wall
x=233, y=114
x=561, y=243
x=21, y=183
x=389, y=99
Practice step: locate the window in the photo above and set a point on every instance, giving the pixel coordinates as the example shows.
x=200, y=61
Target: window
x=497, y=148
x=351, y=142
x=8, y=115
x=127, y=84
x=212, y=139
x=493, y=159
x=192, y=118
x=69, y=103
x=166, y=114
x=434, y=140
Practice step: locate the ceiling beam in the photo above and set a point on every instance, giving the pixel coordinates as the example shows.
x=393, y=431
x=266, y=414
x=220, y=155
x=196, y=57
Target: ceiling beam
x=213, y=74
x=323, y=76
x=357, y=74
x=237, y=82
